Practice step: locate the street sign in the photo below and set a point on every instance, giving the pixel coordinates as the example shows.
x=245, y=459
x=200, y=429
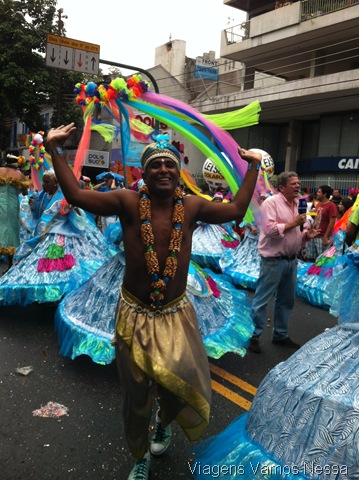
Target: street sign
x=207, y=69
x=69, y=54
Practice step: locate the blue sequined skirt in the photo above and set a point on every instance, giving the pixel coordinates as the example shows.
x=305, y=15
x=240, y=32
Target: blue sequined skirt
x=304, y=420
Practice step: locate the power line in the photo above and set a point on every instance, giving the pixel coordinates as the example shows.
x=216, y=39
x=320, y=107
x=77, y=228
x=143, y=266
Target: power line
x=291, y=68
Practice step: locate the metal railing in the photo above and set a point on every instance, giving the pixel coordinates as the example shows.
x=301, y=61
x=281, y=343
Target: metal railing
x=309, y=10
x=237, y=33
x=343, y=184
x=315, y=8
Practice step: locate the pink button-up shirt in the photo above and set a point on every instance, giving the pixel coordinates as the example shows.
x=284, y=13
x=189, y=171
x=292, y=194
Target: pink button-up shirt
x=273, y=241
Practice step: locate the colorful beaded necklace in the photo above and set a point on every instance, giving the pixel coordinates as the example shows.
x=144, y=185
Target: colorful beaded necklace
x=159, y=284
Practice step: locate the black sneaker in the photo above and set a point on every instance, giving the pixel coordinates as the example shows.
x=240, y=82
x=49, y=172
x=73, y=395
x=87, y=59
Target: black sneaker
x=286, y=342
x=254, y=345
x=161, y=439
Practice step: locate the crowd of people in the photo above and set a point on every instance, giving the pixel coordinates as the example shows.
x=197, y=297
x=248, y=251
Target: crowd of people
x=160, y=330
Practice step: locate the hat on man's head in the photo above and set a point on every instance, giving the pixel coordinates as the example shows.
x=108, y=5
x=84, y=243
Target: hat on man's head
x=108, y=176
x=50, y=172
x=159, y=149
x=11, y=160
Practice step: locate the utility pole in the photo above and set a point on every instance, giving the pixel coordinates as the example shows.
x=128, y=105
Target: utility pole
x=60, y=26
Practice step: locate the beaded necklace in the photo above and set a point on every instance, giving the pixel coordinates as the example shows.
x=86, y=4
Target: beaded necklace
x=159, y=284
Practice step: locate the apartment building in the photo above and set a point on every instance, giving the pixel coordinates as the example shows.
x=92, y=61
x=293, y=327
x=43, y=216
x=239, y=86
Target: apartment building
x=301, y=61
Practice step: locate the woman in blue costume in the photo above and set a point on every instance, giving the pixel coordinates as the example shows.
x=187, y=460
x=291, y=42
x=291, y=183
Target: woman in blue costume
x=27, y=223
x=85, y=318
x=210, y=242
x=314, y=282
x=66, y=249
x=304, y=420
x=312, y=285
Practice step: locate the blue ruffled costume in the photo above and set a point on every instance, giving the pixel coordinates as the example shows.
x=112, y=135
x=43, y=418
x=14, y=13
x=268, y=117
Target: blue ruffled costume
x=64, y=253
x=210, y=242
x=304, y=420
x=242, y=264
x=313, y=284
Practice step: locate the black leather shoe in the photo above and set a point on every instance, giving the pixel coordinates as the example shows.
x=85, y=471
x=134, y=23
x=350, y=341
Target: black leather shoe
x=254, y=345
x=287, y=342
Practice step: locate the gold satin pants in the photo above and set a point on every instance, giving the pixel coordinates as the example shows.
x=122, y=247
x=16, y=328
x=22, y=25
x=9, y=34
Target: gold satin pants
x=165, y=348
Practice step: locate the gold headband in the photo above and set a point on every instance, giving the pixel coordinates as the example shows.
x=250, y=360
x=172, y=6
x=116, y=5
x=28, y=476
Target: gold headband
x=164, y=153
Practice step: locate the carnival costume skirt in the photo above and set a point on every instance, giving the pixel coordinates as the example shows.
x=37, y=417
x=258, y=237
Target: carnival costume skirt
x=313, y=285
x=167, y=346
x=210, y=242
x=304, y=420
x=223, y=312
x=242, y=264
x=54, y=264
x=84, y=319
x=9, y=215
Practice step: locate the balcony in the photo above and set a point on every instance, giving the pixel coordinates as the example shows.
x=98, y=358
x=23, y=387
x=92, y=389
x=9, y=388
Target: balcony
x=284, y=43
x=277, y=19
x=314, y=8
x=293, y=65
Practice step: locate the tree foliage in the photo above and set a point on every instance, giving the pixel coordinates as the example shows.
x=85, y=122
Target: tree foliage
x=25, y=82
x=27, y=85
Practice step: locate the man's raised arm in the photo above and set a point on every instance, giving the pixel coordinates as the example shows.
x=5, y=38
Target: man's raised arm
x=245, y=192
x=219, y=212
x=103, y=203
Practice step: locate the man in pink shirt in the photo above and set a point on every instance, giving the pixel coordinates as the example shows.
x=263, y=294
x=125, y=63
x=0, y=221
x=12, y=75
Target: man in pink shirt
x=279, y=242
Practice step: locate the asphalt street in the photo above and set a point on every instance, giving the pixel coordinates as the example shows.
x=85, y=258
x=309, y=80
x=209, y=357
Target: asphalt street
x=88, y=443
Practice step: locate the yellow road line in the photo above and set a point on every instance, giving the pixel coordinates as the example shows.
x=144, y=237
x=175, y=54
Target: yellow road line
x=232, y=396
x=232, y=379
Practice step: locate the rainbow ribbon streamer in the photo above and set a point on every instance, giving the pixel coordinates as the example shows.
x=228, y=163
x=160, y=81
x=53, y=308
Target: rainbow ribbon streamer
x=121, y=97
x=191, y=184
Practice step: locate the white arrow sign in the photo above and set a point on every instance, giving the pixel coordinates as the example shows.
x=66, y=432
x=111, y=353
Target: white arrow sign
x=69, y=54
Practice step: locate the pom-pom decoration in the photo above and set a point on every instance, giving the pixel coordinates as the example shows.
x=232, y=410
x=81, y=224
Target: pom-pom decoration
x=35, y=142
x=37, y=150
x=21, y=161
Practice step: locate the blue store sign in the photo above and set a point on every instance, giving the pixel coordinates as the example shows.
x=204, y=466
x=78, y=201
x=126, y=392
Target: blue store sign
x=329, y=164
x=207, y=69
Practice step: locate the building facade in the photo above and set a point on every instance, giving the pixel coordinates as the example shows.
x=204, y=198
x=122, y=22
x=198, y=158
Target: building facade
x=302, y=63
